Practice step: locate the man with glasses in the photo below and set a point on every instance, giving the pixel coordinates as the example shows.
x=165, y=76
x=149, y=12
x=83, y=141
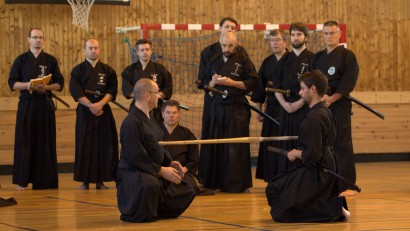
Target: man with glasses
x=149, y=183
x=35, y=158
x=342, y=70
x=93, y=85
x=267, y=166
x=146, y=68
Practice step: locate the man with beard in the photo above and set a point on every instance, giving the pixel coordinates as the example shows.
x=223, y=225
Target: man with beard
x=187, y=155
x=35, y=154
x=227, y=166
x=342, y=70
x=146, y=68
x=149, y=183
x=94, y=84
x=306, y=193
x=286, y=77
x=266, y=160
x=227, y=24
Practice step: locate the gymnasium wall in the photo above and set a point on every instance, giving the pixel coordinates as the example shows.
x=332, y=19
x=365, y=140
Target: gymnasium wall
x=377, y=31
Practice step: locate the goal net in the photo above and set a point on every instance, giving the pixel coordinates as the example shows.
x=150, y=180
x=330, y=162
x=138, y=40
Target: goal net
x=178, y=48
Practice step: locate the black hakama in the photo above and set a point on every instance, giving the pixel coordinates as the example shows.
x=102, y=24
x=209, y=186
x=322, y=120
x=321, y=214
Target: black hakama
x=35, y=154
x=305, y=193
x=269, y=164
x=208, y=54
x=227, y=166
x=96, y=138
x=142, y=196
x=187, y=155
x=342, y=70
x=286, y=77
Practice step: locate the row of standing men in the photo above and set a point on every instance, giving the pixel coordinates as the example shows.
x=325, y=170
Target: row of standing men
x=225, y=167
x=230, y=169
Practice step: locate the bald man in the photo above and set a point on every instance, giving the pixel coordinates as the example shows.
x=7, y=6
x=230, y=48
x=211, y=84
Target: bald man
x=149, y=183
x=227, y=167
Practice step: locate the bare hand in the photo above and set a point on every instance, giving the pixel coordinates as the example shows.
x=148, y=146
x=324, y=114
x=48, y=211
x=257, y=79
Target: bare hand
x=327, y=100
x=170, y=174
x=40, y=88
x=289, y=108
x=294, y=154
x=259, y=118
x=96, y=109
x=176, y=165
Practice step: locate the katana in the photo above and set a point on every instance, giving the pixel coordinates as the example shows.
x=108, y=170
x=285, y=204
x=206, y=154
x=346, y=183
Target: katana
x=120, y=105
x=60, y=100
x=225, y=94
x=97, y=94
x=229, y=140
x=367, y=107
x=180, y=106
x=320, y=167
x=360, y=103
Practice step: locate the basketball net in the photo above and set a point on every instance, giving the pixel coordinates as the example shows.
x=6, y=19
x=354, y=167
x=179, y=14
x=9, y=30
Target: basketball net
x=81, y=10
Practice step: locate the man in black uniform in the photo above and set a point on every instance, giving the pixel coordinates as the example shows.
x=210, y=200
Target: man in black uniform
x=146, y=68
x=266, y=161
x=94, y=84
x=286, y=77
x=149, y=183
x=209, y=53
x=342, y=70
x=35, y=158
x=306, y=193
x=187, y=155
x=227, y=166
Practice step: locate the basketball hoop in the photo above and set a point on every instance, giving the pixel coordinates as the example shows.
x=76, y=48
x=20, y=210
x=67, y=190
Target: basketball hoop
x=81, y=10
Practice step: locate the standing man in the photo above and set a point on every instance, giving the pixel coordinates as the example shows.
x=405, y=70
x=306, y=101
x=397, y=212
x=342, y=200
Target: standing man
x=293, y=110
x=227, y=24
x=149, y=183
x=187, y=155
x=227, y=166
x=35, y=158
x=94, y=84
x=278, y=41
x=146, y=68
x=342, y=70
x=306, y=193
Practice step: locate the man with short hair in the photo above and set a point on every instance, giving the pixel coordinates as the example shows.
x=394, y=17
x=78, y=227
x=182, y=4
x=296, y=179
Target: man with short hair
x=146, y=68
x=278, y=40
x=35, y=154
x=286, y=77
x=342, y=70
x=306, y=193
x=187, y=155
x=149, y=183
x=93, y=85
x=227, y=166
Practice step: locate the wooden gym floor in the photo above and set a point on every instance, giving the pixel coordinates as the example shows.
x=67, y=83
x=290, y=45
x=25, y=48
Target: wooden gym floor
x=384, y=204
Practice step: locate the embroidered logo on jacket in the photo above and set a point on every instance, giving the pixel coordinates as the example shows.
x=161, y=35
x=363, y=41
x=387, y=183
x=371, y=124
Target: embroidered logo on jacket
x=43, y=70
x=331, y=70
x=304, y=65
x=101, y=78
x=235, y=73
x=154, y=77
